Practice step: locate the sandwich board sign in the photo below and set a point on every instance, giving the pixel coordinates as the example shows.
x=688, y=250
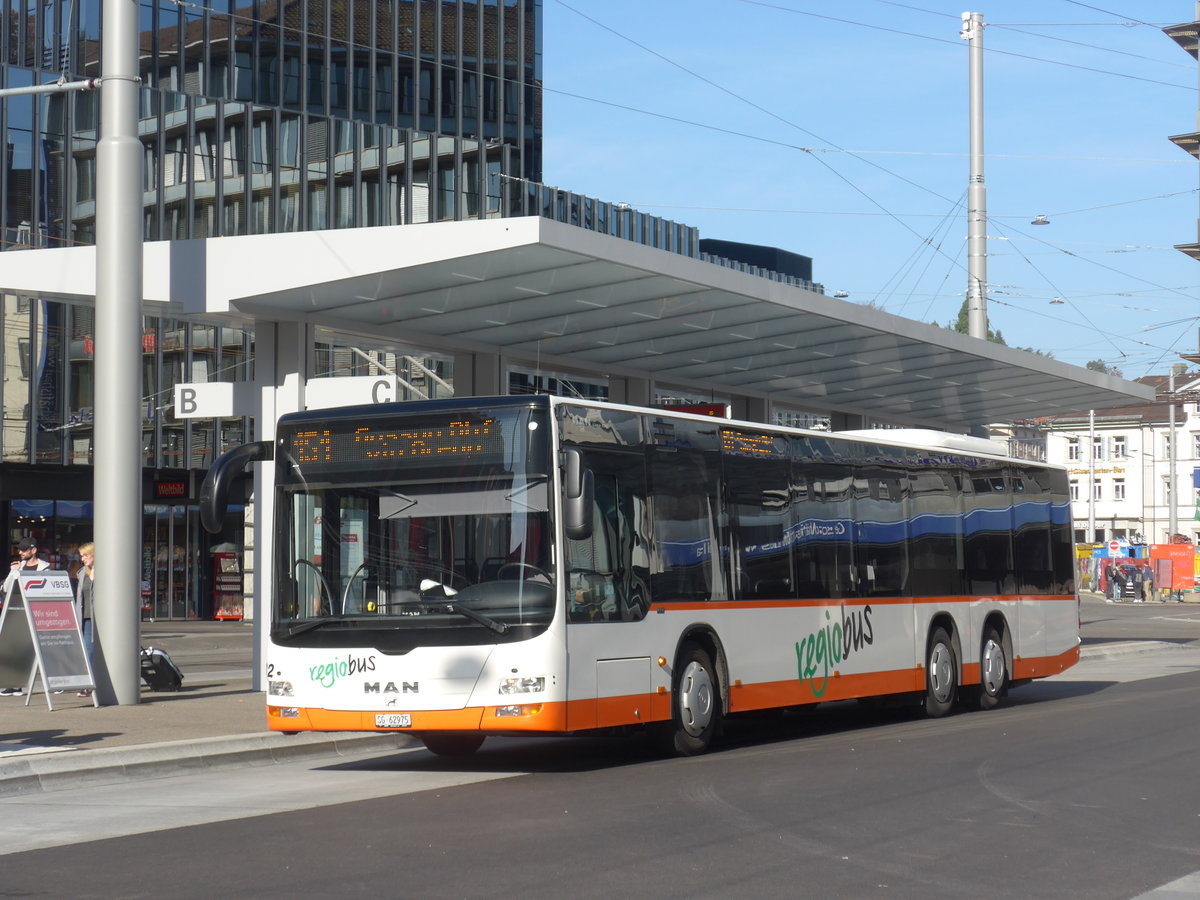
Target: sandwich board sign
x=46, y=602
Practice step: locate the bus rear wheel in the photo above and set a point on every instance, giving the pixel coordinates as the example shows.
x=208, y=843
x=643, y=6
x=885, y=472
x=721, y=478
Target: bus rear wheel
x=695, y=704
x=452, y=744
x=941, y=674
x=993, y=672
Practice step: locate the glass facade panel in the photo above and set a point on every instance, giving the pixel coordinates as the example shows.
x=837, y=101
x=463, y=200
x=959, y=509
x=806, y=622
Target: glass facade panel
x=254, y=118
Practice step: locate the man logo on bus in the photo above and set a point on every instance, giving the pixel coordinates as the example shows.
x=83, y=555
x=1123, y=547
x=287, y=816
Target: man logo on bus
x=832, y=643
x=407, y=687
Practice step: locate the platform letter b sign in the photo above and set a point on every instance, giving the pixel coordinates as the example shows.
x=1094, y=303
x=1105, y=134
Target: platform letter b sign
x=187, y=404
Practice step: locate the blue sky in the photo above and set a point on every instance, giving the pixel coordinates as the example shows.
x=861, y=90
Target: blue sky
x=838, y=129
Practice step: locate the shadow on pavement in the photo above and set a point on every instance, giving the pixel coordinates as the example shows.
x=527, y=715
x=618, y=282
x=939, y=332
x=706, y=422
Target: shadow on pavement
x=557, y=754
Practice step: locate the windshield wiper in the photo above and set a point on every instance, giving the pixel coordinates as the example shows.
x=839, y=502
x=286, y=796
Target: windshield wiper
x=455, y=607
x=311, y=625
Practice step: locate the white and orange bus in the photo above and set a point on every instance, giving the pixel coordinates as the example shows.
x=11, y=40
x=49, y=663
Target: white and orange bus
x=516, y=565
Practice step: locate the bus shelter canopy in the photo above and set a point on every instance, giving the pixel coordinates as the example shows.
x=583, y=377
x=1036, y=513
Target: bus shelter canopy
x=547, y=294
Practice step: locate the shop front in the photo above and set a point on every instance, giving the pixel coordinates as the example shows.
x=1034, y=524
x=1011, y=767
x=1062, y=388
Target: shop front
x=186, y=573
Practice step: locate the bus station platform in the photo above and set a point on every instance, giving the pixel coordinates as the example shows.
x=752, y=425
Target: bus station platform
x=216, y=720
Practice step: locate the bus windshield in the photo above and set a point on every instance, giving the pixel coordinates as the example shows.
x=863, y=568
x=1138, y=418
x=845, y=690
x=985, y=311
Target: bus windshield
x=430, y=553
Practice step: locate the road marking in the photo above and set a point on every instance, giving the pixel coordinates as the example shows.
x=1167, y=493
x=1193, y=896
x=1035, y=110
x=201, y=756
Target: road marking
x=8, y=751
x=62, y=818
x=1187, y=886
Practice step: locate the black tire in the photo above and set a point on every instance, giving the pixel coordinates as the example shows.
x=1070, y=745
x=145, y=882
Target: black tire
x=695, y=704
x=993, y=672
x=941, y=674
x=452, y=744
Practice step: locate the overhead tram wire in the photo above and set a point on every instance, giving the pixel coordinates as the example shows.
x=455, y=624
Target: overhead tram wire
x=1108, y=12
x=883, y=211
x=1065, y=252
x=838, y=212
x=813, y=152
x=779, y=118
x=747, y=101
x=993, y=50
x=1058, y=292
x=1017, y=27
x=884, y=294
x=855, y=153
x=789, y=123
x=939, y=233
x=1095, y=329
x=1050, y=37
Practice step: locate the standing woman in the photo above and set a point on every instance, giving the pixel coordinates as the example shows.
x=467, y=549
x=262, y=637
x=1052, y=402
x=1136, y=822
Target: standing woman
x=84, y=599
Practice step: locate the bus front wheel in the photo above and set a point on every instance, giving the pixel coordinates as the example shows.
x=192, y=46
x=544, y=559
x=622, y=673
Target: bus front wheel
x=941, y=674
x=452, y=744
x=695, y=704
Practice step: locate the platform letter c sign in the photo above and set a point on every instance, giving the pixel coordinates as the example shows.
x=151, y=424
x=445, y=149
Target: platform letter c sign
x=381, y=391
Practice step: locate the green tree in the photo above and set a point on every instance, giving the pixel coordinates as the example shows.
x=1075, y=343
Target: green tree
x=1099, y=365
x=963, y=326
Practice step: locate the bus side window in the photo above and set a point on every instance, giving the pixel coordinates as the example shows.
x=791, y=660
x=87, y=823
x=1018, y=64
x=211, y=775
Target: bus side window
x=987, y=534
x=756, y=492
x=935, y=530
x=603, y=580
x=881, y=530
x=822, y=530
x=684, y=565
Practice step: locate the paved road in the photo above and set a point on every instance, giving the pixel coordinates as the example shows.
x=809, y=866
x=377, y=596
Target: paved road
x=1084, y=785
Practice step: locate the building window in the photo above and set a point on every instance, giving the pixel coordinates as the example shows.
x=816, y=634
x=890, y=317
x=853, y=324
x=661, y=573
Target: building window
x=1118, y=488
x=1166, y=446
x=1097, y=448
x=1196, y=445
x=1073, y=449
x=1118, y=447
x=1074, y=490
x=1097, y=494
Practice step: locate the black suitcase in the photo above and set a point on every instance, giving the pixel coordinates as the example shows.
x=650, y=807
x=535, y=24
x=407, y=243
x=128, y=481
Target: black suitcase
x=159, y=671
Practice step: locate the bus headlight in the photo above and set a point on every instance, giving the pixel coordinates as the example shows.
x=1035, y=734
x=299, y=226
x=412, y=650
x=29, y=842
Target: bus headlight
x=525, y=685
x=279, y=688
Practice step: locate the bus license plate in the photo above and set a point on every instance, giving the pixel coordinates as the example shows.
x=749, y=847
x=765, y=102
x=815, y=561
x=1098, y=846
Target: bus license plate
x=393, y=720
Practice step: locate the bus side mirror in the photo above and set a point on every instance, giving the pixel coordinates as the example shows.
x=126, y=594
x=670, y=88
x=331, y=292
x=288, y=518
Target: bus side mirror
x=577, y=496
x=214, y=492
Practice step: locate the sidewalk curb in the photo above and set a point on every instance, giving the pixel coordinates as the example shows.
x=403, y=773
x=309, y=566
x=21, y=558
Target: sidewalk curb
x=43, y=773
x=1124, y=649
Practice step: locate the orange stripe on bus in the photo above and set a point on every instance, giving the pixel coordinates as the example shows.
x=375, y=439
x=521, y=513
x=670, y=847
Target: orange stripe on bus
x=1041, y=666
x=641, y=709
x=548, y=717
x=766, y=695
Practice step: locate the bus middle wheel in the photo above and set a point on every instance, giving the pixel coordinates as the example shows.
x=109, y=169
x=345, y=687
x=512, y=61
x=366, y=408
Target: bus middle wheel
x=941, y=674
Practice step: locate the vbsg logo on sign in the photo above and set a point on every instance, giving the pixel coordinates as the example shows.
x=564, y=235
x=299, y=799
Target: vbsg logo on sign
x=47, y=584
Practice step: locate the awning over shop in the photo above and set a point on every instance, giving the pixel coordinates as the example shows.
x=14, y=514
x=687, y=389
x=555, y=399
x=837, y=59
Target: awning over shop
x=544, y=293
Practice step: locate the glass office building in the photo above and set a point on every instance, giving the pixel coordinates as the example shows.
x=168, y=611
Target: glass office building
x=256, y=117
x=280, y=116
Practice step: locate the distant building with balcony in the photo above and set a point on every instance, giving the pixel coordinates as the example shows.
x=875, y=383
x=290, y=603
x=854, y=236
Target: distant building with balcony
x=1120, y=467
